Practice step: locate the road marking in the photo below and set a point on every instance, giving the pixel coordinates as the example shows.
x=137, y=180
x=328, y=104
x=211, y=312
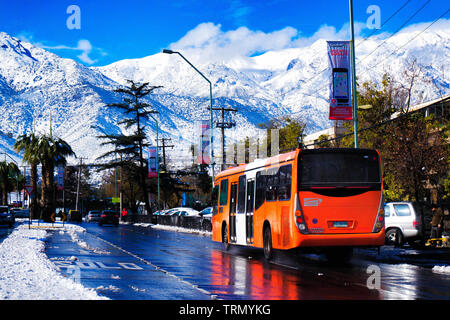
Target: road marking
x=156, y=267
x=96, y=265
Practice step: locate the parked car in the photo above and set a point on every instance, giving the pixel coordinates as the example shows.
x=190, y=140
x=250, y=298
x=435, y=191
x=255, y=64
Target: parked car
x=92, y=216
x=183, y=211
x=168, y=212
x=109, y=217
x=402, y=223
x=21, y=213
x=6, y=216
x=75, y=215
x=206, y=215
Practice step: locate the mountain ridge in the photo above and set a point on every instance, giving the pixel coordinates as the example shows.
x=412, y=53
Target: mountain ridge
x=37, y=85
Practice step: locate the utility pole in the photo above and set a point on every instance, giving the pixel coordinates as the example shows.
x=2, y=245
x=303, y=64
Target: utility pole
x=163, y=147
x=78, y=182
x=224, y=125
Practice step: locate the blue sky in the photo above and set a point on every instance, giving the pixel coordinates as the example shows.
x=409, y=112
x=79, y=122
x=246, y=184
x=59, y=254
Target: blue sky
x=114, y=30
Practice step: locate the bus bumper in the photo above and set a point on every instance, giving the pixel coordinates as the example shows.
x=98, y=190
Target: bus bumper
x=342, y=240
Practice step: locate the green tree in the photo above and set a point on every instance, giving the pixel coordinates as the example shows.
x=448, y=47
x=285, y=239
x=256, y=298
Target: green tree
x=290, y=133
x=29, y=145
x=131, y=147
x=324, y=141
x=7, y=170
x=50, y=151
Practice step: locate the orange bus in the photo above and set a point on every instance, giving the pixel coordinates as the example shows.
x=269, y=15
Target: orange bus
x=327, y=199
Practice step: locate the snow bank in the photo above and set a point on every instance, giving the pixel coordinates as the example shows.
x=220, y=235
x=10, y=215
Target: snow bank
x=181, y=229
x=26, y=273
x=441, y=269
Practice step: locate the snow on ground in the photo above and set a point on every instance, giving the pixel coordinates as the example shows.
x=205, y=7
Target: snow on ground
x=441, y=269
x=26, y=273
x=179, y=229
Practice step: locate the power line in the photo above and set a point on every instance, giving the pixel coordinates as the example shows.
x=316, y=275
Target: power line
x=404, y=24
x=387, y=20
x=440, y=17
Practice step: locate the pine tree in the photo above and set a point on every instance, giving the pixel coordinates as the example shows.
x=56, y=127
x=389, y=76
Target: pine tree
x=129, y=149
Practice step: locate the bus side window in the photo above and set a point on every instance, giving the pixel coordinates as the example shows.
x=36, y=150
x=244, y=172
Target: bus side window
x=215, y=200
x=284, y=191
x=241, y=194
x=260, y=189
x=272, y=184
x=223, y=192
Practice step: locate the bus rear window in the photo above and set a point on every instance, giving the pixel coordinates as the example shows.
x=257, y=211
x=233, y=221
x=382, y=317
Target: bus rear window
x=338, y=168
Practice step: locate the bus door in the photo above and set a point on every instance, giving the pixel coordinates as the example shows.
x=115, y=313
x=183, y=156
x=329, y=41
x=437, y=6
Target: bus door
x=249, y=210
x=240, y=216
x=232, y=213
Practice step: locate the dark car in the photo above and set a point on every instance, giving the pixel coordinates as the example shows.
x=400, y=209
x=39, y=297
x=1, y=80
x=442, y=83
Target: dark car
x=75, y=215
x=93, y=215
x=6, y=216
x=109, y=217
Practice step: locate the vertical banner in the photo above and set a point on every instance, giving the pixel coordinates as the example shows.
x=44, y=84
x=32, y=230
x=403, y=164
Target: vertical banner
x=60, y=178
x=204, y=143
x=340, y=88
x=152, y=162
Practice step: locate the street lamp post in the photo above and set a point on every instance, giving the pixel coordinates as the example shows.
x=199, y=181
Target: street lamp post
x=211, y=135
x=352, y=52
x=157, y=156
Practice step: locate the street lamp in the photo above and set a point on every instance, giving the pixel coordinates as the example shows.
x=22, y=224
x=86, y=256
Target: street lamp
x=211, y=135
x=157, y=154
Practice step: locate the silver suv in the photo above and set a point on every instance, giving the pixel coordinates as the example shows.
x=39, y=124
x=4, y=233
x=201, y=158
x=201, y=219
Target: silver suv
x=402, y=223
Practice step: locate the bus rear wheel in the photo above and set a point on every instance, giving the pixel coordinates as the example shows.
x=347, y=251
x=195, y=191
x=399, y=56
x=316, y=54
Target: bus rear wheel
x=268, y=249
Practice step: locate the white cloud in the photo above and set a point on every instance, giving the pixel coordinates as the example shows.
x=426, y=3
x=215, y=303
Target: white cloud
x=86, y=48
x=208, y=42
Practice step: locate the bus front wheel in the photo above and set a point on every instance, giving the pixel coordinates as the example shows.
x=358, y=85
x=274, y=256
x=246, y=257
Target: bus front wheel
x=268, y=249
x=225, y=237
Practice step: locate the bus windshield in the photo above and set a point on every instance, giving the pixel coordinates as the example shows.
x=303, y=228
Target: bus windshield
x=337, y=168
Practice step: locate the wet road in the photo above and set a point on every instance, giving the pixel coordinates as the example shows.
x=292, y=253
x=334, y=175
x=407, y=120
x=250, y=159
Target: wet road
x=131, y=262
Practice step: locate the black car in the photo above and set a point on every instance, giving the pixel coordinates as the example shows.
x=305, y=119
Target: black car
x=6, y=217
x=109, y=217
x=75, y=216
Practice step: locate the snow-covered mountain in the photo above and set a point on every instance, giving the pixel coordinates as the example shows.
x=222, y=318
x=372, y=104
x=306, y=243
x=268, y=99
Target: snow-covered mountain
x=36, y=86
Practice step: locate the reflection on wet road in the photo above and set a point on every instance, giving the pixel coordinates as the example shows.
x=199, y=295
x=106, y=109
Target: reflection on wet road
x=149, y=263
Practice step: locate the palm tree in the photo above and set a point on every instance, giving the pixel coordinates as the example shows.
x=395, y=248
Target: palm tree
x=7, y=169
x=29, y=145
x=50, y=152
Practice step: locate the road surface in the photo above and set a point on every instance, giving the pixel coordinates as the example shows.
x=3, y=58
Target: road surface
x=145, y=262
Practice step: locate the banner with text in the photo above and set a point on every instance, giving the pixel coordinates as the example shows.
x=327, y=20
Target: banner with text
x=204, y=143
x=152, y=162
x=340, y=88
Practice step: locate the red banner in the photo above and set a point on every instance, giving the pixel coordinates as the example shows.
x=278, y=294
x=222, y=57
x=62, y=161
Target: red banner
x=341, y=113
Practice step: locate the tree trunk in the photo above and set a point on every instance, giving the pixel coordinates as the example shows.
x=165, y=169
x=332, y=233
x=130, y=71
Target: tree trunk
x=47, y=191
x=33, y=195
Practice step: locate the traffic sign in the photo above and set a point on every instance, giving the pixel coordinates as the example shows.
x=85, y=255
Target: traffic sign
x=29, y=190
x=115, y=199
